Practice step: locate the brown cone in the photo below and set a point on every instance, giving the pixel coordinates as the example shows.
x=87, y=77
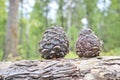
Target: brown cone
x=54, y=43
x=88, y=44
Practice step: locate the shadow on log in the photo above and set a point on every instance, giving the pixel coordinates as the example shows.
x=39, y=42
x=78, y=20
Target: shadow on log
x=99, y=68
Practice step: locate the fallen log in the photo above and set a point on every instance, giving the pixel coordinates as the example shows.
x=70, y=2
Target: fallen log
x=98, y=68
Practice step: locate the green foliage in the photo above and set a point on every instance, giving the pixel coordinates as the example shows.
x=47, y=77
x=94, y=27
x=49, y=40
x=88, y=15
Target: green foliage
x=2, y=25
x=1, y=54
x=112, y=52
x=33, y=30
x=71, y=55
x=106, y=27
x=72, y=36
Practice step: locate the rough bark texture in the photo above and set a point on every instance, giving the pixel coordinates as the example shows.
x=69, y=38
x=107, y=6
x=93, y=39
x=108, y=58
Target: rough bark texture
x=99, y=68
x=11, y=40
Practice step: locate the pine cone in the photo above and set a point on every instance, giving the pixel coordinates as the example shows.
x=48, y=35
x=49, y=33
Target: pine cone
x=54, y=43
x=88, y=44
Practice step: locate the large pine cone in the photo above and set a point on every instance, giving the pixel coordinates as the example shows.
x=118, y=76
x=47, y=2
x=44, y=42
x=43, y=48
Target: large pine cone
x=54, y=43
x=88, y=44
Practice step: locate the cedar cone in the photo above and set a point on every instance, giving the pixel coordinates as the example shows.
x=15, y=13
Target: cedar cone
x=88, y=44
x=54, y=43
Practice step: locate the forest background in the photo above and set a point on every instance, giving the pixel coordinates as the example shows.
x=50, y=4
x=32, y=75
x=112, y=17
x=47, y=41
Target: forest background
x=22, y=23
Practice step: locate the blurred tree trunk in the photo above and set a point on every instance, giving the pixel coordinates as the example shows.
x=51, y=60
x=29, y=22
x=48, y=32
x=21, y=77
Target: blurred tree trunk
x=46, y=11
x=61, y=12
x=69, y=16
x=46, y=18
x=27, y=42
x=69, y=20
x=21, y=24
x=11, y=40
x=89, y=11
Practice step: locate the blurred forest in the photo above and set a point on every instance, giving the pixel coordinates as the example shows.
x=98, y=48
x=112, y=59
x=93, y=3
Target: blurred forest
x=22, y=23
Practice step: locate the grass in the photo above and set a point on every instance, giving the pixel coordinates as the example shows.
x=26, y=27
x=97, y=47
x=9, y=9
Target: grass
x=112, y=52
x=71, y=55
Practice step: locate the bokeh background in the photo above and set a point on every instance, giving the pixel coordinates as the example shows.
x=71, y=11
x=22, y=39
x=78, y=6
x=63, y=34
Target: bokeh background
x=22, y=23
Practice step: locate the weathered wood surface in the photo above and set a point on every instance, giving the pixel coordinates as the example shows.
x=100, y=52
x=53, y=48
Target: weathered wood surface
x=99, y=68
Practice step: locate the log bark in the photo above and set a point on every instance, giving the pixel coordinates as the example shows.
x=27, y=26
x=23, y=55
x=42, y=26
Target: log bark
x=98, y=68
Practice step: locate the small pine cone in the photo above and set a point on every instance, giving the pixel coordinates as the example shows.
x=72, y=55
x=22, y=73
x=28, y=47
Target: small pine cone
x=88, y=44
x=54, y=43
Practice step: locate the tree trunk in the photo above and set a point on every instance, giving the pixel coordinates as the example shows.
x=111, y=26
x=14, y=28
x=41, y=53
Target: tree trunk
x=98, y=68
x=61, y=12
x=21, y=24
x=46, y=18
x=11, y=40
x=27, y=42
x=69, y=22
